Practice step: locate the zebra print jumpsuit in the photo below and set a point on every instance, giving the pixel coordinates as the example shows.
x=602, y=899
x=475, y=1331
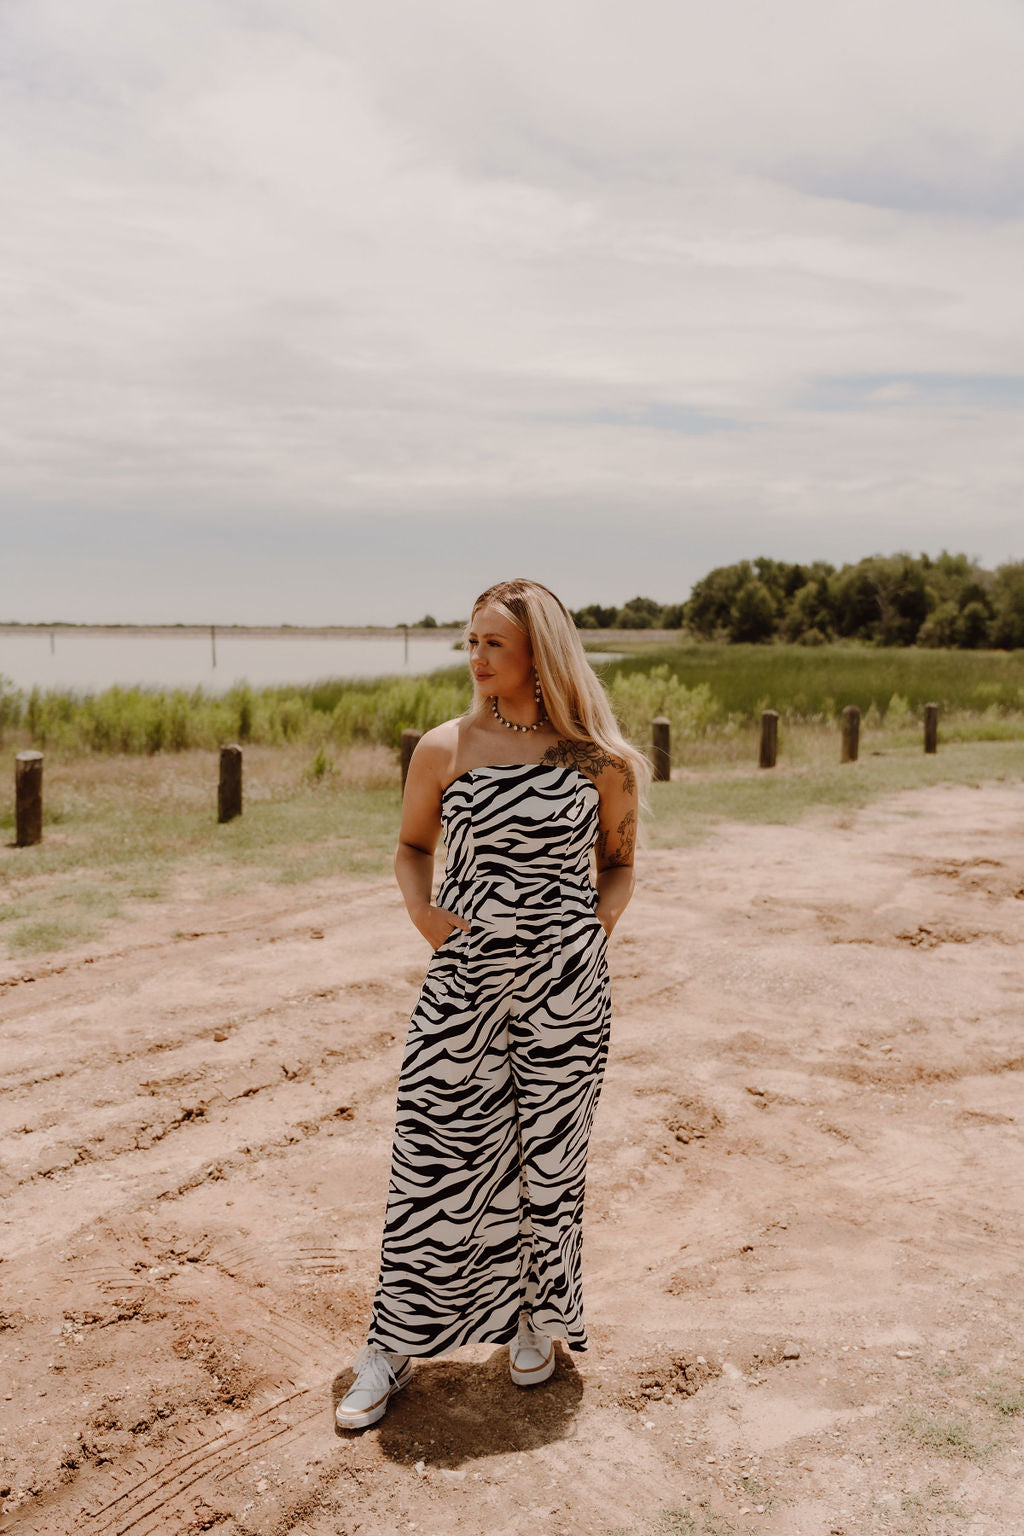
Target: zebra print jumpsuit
x=501, y=1074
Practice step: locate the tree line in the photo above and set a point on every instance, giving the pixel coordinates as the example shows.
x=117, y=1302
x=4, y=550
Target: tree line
x=948, y=600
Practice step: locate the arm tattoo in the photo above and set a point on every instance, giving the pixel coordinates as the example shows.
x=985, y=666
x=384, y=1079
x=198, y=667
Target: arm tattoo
x=623, y=854
x=588, y=758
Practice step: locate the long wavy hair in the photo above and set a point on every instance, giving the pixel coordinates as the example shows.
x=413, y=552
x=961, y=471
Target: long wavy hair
x=574, y=699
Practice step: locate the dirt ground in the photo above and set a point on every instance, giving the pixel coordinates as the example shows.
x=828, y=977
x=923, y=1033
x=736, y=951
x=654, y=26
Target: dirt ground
x=805, y=1228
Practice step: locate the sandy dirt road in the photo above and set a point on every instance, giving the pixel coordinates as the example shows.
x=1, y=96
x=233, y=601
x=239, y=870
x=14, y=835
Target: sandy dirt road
x=805, y=1230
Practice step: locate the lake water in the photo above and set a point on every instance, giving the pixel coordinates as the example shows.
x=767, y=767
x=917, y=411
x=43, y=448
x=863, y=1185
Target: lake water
x=89, y=660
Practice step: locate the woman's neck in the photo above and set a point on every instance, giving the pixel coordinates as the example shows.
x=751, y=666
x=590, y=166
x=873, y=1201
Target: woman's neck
x=518, y=712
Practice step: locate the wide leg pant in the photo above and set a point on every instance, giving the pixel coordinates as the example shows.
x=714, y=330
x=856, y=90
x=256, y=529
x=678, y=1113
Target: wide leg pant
x=501, y=1075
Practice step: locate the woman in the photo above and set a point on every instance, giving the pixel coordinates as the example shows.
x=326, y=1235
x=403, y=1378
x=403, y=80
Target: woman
x=508, y=1040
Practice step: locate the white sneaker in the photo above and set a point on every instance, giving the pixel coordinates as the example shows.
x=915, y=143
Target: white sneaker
x=378, y=1376
x=531, y=1356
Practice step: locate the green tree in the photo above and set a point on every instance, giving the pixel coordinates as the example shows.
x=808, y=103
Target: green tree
x=974, y=591
x=1007, y=629
x=810, y=608
x=782, y=580
x=710, y=606
x=639, y=613
x=753, y=614
x=939, y=628
x=856, y=602
x=971, y=632
x=902, y=601
x=594, y=616
x=882, y=598
x=947, y=575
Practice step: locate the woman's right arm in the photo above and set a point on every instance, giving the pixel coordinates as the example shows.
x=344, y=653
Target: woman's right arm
x=417, y=840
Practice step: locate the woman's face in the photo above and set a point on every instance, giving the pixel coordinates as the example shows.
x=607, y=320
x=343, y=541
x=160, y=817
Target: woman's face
x=500, y=657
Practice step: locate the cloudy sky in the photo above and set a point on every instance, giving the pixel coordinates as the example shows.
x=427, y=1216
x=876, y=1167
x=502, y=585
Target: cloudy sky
x=334, y=312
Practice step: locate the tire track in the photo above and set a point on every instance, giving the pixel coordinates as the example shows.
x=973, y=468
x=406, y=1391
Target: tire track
x=248, y=923
x=158, y=1490
x=323, y=1261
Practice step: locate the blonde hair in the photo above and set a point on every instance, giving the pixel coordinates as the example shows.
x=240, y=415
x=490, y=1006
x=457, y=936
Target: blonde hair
x=574, y=699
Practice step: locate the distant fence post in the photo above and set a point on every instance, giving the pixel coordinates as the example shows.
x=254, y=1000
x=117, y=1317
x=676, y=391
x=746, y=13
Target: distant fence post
x=769, y=739
x=229, y=788
x=661, y=750
x=409, y=740
x=851, y=734
x=28, y=798
x=931, y=727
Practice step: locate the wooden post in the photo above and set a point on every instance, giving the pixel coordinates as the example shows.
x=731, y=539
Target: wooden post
x=213, y=642
x=661, y=750
x=229, y=789
x=769, y=739
x=28, y=799
x=931, y=727
x=409, y=740
x=851, y=734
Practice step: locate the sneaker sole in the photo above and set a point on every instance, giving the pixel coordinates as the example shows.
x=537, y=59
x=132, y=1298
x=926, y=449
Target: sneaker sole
x=538, y=1374
x=373, y=1415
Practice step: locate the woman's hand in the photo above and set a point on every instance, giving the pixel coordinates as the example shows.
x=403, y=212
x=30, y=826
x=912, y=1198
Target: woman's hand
x=437, y=924
x=615, y=887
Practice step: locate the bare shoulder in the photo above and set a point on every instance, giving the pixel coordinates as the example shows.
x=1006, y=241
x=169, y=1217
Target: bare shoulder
x=440, y=738
x=605, y=769
x=438, y=750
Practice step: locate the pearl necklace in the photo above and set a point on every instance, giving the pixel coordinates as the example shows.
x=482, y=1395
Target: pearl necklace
x=510, y=725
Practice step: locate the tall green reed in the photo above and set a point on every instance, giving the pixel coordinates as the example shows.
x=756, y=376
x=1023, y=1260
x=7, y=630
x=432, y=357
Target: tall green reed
x=706, y=691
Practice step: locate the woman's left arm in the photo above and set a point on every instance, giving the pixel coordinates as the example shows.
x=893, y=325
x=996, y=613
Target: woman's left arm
x=616, y=841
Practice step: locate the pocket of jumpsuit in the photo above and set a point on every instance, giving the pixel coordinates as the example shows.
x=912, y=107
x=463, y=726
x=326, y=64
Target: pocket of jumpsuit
x=598, y=931
x=442, y=988
x=438, y=1026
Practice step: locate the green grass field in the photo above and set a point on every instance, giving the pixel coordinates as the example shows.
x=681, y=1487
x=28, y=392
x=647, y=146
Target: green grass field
x=125, y=834
x=130, y=775
x=812, y=683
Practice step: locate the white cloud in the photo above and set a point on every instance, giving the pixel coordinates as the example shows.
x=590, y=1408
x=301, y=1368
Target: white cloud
x=327, y=262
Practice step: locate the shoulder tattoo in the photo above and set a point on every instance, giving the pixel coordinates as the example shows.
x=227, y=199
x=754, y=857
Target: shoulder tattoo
x=587, y=757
